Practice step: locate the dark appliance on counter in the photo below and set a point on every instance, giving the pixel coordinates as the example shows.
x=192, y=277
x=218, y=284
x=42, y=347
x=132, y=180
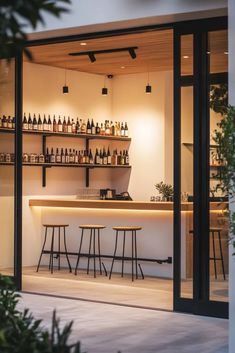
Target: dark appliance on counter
x=110, y=194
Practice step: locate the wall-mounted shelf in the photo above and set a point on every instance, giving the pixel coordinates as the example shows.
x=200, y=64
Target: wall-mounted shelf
x=190, y=144
x=87, y=137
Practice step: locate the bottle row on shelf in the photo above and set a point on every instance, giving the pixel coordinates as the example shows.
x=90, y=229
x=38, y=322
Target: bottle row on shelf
x=72, y=156
x=68, y=125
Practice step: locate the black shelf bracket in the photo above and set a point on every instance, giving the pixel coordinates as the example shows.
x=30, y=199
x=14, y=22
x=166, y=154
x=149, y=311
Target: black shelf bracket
x=44, y=171
x=87, y=169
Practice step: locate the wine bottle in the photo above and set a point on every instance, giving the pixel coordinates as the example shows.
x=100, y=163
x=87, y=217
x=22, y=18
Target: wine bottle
x=52, y=156
x=70, y=156
x=60, y=126
x=41, y=158
x=122, y=130
x=69, y=126
x=105, y=158
x=30, y=123
x=108, y=157
x=62, y=156
x=58, y=156
x=25, y=123
x=112, y=128
x=97, y=129
x=66, y=156
x=102, y=129
x=83, y=127
x=101, y=157
x=97, y=157
x=35, y=123
x=88, y=127
x=118, y=129
x=45, y=124
x=126, y=130
x=87, y=157
x=107, y=128
x=114, y=160
x=9, y=122
x=40, y=126
x=50, y=125
x=65, y=126
x=93, y=129
x=91, y=159
x=4, y=121
x=76, y=160
x=13, y=122
x=73, y=127
x=78, y=127
x=127, y=158
x=55, y=125
x=47, y=157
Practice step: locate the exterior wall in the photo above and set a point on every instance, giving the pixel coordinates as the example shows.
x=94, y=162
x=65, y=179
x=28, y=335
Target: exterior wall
x=92, y=15
x=232, y=206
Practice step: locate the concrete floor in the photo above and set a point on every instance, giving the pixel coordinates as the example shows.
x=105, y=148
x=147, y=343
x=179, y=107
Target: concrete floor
x=106, y=328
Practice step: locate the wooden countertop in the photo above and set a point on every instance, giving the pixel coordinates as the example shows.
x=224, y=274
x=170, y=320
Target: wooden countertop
x=123, y=205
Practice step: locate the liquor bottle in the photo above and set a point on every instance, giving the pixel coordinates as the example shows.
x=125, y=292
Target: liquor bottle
x=122, y=158
x=78, y=127
x=88, y=127
x=58, y=156
x=55, y=125
x=9, y=122
x=126, y=131
x=52, y=156
x=105, y=158
x=97, y=157
x=4, y=121
x=114, y=160
x=122, y=130
x=62, y=156
x=40, y=125
x=13, y=122
x=50, y=125
x=41, y=158
x=101, y=157
x=69, y=126
x=73, y=127
x=81, y=160
x=91, y=159
x=112, y=128
x=76, y=159
x=30, y=122
x=66, y=156
x=93, y=129
x=45, y=124
x=35, y=123
x=97, y=129
x=65, y=126
x=87, y=157
x=108, y=157
x=107, y=128
x=119, y=157
x=127, y=158
x=83, y=127
x=102, y=129
x=47, y=156
x=79, y=157
x=0, y=121
x=70, y=156
x=60, y=126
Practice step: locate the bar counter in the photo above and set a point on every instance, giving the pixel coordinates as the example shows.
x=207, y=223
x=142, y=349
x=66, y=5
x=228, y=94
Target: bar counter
x=115, y=205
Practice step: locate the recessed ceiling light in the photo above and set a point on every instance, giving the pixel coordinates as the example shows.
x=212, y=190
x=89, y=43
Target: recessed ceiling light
x=122, y=67
x=83, y=43
x=208, y=52
x=226, y=52
x=186, y=57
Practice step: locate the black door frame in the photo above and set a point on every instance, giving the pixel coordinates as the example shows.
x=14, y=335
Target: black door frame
x=200, y=81
x=197, y=26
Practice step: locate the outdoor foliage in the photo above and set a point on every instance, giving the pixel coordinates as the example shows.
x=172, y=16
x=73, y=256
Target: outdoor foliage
x=20, y=332
x=224, y=137
x=16, y=15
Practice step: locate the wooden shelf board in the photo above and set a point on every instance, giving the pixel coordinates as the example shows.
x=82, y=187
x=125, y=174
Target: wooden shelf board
x=49, y=165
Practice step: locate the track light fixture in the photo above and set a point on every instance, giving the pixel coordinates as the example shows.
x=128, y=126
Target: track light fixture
x=132, y=53
x=65, y=88
x=92, y=57
x=92, y=54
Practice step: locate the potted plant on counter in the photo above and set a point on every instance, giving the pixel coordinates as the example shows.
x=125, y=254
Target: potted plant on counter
x=165, y=190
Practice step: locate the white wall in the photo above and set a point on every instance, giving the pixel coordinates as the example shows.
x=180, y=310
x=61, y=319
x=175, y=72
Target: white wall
x=231, y=5
x=93, y=15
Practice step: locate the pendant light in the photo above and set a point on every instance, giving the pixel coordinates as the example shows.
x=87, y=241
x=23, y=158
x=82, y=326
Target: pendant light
x=104, y=89
x=65, y=88
x=148, y=88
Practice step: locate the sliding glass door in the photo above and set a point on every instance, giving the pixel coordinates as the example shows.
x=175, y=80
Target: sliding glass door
x=10, y=168
x=200, y=223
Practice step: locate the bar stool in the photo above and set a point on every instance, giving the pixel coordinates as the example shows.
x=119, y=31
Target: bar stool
x=214, y=258
x=134, y=256
x=94, y=231
x=51, y=251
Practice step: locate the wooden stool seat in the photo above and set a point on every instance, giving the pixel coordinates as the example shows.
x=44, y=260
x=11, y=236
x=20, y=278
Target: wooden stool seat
x=92, y=226
x=55, y=225
x=128, y=228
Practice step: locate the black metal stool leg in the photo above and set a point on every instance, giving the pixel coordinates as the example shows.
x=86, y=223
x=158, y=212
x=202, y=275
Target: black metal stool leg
x=66, y=252
x=99, y=251
x=89, y=255
x=136, y=265
x=123, y=251
x=94, y=254
x=221, y=254
x=79, y=252
x=52, y=249
x=132, y=257
x=43, y=247
x=59, y=249
x=114, y=254
x=214, y=255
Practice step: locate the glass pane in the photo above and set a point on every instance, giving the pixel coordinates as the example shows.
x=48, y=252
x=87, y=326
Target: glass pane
x=187, y=192
x=218, y=232
x=7, y=130
x=187, y=55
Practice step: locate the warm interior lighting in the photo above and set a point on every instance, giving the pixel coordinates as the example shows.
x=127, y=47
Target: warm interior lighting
x=186, y=57
x=122, y=67
x=208, y=52
x=83, y=43
x=65, y=89
x=226, y=52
